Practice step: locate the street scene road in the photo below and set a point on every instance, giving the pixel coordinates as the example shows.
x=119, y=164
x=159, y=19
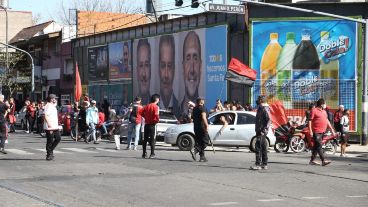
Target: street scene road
x=98, y=175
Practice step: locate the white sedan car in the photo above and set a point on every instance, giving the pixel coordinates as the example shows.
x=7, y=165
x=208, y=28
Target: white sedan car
x=239, y=132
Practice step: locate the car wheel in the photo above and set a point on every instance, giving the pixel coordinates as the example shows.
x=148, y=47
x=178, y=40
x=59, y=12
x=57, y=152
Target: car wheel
x=185, y=142
x=252, y=145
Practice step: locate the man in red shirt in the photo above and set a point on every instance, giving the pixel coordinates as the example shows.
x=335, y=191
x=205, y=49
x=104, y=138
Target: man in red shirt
x=151, y=117
x=135, y=120
x=318, y=125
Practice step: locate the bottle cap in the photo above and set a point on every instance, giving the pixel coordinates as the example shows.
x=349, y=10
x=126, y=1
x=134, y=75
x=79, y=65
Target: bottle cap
x=274, y=36
x=306, y=32
x=290, y=36
x=325, y=34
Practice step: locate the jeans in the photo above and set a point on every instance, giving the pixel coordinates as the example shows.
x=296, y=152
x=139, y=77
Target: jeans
x=53, y=139
x=317, y=148
x=134, y=129
x=2, y=134
x=30, y=123
x=106, y=124
x=92, y=132
x=261, y=150
x=149, y=136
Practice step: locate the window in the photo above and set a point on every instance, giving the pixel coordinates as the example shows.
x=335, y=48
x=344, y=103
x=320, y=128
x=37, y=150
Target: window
x=68, y=66
x=217, y=120
x=245, y=119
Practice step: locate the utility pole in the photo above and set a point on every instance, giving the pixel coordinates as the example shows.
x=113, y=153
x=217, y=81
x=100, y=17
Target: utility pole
x=364, y=137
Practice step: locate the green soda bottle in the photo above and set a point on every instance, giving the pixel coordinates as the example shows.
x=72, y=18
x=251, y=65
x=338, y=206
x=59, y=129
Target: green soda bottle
x=284, y=70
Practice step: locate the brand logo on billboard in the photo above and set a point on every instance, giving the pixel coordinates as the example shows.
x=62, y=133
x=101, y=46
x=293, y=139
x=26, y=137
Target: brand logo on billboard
x=334, y=49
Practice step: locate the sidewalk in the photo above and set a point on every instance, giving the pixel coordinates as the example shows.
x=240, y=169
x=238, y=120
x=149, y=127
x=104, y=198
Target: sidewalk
x=355, y=150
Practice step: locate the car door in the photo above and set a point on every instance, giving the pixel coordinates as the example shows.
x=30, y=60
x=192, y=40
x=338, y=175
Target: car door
x=228, y=135
x=245, y=128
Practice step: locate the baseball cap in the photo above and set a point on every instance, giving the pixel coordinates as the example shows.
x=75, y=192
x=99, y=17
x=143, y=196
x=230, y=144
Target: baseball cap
x=341, y=106
x=51, y=96
x=93, y=102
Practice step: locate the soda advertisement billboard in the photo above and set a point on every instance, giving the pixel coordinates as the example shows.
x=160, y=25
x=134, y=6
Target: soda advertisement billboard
x=300, y=61
x=120, y=60
x=97, y=63
x=180, y=67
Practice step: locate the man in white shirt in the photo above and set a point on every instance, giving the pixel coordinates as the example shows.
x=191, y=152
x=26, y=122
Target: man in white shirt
x=92, y=120
x=51, y=126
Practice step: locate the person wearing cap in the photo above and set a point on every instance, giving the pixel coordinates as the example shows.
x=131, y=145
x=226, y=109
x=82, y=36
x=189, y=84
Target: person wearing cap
x=263, y=123
x=200, y=130
x=92, y=121
x=135, y=120
x=4, y=106
x=151, y=115
x=51, y=126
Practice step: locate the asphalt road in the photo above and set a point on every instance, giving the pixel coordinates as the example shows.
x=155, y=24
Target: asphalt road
x=97, y=175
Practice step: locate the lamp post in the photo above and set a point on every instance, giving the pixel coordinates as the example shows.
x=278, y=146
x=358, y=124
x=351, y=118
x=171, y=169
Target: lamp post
x=6, y=35
x=365, y=57
x=32, y=63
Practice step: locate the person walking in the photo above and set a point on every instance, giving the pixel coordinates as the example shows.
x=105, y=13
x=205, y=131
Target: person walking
x=151, y=115
x=318, y=125
x=51, y=126
x=200, y=130
x=263, y=124
x=344, y=127
x=337, y=118
x=135, y=120
x=92, y=121
x=4, y=106
x=11, y=115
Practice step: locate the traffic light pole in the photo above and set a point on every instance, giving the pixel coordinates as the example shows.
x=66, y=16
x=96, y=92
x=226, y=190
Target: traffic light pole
x=365, y=57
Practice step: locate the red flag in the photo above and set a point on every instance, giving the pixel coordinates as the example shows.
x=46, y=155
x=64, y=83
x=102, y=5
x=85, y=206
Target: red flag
x=278, y=114
x=242, y=69
x=78, y=84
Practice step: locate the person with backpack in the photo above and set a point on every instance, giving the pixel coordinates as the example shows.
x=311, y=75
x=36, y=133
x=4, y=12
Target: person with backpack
x=135, y=122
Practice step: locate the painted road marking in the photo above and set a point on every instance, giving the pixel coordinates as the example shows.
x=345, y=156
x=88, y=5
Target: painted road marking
x=19, y=152
x=78, y=150
x=55, y=151
x=270, y=200
x=107, y=150
x=357, y=196
x=314, y=198
x=223, y=204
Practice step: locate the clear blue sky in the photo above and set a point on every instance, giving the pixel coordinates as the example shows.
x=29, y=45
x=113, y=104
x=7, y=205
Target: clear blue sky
x=48, y=8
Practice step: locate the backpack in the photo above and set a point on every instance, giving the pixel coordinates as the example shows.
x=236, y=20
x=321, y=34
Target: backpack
x=133, y=114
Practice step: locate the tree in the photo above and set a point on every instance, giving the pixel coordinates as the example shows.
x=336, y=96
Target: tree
x=66, y=13
x=17, y=76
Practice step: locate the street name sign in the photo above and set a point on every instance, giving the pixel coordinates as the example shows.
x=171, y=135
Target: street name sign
x=237, y=9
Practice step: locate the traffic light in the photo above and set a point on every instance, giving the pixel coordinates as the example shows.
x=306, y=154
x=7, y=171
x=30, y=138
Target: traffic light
x=178, y=2
x=195, y=4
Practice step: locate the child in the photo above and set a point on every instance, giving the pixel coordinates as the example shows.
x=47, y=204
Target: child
x=344, y=126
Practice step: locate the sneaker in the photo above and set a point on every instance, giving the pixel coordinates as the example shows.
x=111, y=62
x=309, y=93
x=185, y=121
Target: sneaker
x=144, y=155
x=203, y=159
x=49, y=158
x=255, y=167
x=152, y=156
x=2, y=150
x=117, y=148
x=27, y=132
x=127, y=148
x=264, y=167
x=193, y=152
x=6, y=142
x=326, y=162
x=135, y=148
x=96, y=142
x=314, y=163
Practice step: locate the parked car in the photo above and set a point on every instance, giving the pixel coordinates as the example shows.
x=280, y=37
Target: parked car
x=167, y=119
x=239, y=132
x=21, y=118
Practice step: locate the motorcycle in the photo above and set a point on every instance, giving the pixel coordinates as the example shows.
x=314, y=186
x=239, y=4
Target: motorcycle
x=302, y=140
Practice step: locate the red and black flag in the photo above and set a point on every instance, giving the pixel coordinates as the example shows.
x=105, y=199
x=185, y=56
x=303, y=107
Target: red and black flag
x=240, y=73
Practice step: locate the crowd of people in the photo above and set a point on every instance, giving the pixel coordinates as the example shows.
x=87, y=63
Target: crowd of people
x=41, y=116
